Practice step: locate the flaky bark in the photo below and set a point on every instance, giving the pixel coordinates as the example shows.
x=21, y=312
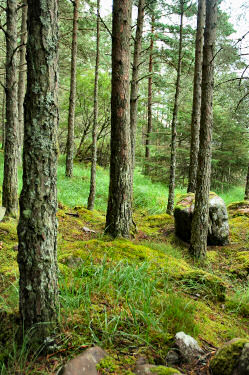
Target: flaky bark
x=9, y=196
x=72, y=98
x=118, y=216
x=196, y=110
x=3, y=119
x=22, y=76
x=91, y=198
x=247, y=186
x=149, y=119
x=171, y=197
x=199, y=231
x=37, y=228
x=135, y=82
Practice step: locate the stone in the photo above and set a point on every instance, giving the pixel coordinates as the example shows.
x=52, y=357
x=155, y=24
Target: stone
x=243, y=366
x=188, y=347
x=218, y=228
x=2, y=212
x=85, y=363
x=88, y=230
x=172, y=357
x=229, y=357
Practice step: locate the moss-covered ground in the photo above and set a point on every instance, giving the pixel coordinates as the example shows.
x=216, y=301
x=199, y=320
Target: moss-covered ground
x=128, y=296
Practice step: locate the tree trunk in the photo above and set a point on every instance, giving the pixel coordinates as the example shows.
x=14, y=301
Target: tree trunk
x=3, y=117
x=22, y=76
x=198, y=243
x=37, y=228
x=91, y=198
x=135, y=82
x=10, y=185
x=118, y=216
x=247, y=186
x=196, y=111
x=71, y=113
x=149, y=120
x=171, y=197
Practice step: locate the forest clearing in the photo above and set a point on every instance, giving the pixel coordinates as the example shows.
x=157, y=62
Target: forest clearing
x=124, y=180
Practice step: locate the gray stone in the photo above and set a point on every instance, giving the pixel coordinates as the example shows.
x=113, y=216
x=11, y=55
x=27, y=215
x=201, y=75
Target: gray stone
x=218, y=228
x=2, y=212
x=84, y=364
x=188, y=347
x=172, y=358
x=243, y=367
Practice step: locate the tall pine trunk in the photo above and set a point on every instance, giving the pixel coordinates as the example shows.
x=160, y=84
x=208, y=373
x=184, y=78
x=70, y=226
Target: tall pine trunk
x=247, y=186
x=150, y=82
x=196, y=110
x=91, y=198
x=37, y=228
x=199, y=231
x=72, y=98
x=9, y=196
x=171, y=197
x=135, y=82
x=118, y=218
x=22, y=76
x=3, y=117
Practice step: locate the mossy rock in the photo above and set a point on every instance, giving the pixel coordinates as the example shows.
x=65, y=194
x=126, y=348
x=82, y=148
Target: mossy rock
x=238, y=209
x=162, y=370
x=241, y=266
x=218, y=228
x=227, y=358
x=206, y=284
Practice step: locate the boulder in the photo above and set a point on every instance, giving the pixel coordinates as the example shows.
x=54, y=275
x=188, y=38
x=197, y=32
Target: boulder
x=85, y=363
x=231, y=359
x=218, y=229
x=188, y=347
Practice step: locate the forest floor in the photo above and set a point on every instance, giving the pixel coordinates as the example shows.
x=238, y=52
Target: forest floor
x=129, y=296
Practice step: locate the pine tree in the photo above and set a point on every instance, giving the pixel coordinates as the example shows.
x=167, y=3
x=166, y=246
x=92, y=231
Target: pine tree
x=72, y=99
x=118, y=216
x=10, y=185
x=199, y=231
x=37, y=228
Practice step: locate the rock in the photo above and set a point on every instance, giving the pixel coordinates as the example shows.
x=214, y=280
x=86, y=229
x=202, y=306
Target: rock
x=88, y=230
x=188, y=347
x=243, y=367
x=239, y=209
x=218, y=230
x=229, y=358
x=172, y=357
x=84, y=364
x=2, y=212
x=147, y=369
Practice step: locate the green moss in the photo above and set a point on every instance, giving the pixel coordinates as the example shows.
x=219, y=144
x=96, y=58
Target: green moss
x=107, y=365
x=205, y=284
x=226, y=359
x=162, y=370
x=241, y=266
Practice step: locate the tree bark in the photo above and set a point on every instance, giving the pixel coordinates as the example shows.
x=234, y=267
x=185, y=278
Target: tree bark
x=149, y=119
x=91, y=198
x=3, y=117
x=22, y=76
x=199, y=231
x=135, y=82
x=71, y=113
x=171, y=197
x=196, y=111
x=247, y=186
x=10, y=185
x=118, y=216
x=37, y=228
